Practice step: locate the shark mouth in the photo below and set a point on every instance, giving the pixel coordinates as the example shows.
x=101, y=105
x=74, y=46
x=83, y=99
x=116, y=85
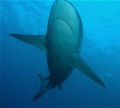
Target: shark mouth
x=64, y=22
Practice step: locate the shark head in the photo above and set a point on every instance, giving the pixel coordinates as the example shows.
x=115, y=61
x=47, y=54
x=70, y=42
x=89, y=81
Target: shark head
x=65, y=13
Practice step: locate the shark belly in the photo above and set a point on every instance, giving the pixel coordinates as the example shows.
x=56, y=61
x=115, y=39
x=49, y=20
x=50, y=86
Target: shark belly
x=63, y=39
x=61, y=45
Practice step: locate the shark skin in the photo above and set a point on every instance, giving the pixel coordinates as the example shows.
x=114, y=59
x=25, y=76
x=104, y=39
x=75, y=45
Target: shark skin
x=62, y=45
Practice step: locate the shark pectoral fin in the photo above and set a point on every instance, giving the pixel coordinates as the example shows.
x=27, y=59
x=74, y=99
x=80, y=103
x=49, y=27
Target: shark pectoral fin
x=79, y=63
x=45, y=85
x=35, y=40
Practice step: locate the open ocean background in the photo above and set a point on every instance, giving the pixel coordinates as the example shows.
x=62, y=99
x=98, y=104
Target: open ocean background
x=20, y=61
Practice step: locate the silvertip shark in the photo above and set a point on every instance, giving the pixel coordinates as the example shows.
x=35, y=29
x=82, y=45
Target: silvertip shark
x=62, y=45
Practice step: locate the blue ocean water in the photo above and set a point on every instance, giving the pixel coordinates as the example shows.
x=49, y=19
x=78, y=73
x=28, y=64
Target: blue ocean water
x=20, y=61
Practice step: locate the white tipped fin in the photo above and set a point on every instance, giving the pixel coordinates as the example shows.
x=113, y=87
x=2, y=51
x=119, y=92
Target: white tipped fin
x=35, y=40
x=44, y=86
x=79, y=63
x=43, y=81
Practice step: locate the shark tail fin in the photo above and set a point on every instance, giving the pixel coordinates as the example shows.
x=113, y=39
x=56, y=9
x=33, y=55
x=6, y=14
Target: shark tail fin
x=35, y=40
x=80, y=64
x=45, y=85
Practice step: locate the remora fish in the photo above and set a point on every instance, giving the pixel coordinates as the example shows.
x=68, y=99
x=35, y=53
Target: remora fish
x=62, y=45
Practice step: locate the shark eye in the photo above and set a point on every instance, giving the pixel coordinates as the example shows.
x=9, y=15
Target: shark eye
x=54, y=4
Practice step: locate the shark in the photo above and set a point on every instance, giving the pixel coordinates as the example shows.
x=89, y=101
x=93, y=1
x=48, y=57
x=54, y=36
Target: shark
x=62, y=45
